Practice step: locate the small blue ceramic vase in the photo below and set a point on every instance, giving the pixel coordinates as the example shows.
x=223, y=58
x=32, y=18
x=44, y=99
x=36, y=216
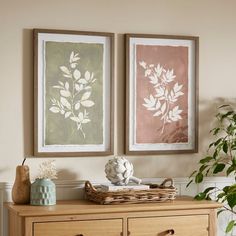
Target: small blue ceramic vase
x=43, y=193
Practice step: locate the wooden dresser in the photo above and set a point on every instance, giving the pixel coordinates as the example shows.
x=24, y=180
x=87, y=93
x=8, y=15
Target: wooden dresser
x=183, y=217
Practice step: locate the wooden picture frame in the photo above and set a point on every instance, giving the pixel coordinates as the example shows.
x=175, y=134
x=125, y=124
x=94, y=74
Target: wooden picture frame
x=161, y=94
x=73, y=93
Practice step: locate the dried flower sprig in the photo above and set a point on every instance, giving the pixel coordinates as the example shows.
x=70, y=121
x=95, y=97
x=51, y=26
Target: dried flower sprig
x=47, y=170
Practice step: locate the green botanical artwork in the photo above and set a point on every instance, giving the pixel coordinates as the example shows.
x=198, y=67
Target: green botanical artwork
x=74, y=89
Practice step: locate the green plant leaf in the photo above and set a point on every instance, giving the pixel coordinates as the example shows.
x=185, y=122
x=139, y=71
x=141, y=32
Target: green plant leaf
x=220, y=211
x=215, y=154
x=200, y=196
x=189, y=183
x=220, y=195
x=224, y=105
x=199, y=178
x=226, y=114
x=230, y=170
x=206, y=159
x=207, y=190
x=216, y=131
x=194, y=172
x=226, y=189
x=207, y=172
x=202, y=168
x=211, y=144
x=231, y=199
x=208, y=197
x=219, y=167
x=225, y=147
x=218, y=141
x=234, y=161
x=232, y=188
x=229, y=226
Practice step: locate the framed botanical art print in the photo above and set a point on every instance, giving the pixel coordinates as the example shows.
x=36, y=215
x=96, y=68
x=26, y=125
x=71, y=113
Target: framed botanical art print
x=73, y=84
x=162, y=94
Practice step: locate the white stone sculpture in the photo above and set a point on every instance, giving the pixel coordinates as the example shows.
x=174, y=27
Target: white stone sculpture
x=120, y=171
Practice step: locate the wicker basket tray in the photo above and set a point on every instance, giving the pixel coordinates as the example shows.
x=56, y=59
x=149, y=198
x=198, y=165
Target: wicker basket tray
x=157, y=193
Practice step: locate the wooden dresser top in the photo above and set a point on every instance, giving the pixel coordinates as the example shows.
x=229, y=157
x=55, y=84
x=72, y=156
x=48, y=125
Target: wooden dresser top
x=85, y=207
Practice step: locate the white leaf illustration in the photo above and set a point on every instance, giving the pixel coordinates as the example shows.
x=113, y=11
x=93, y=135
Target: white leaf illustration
x=150, y=102
x=65, y=103
x=88, y=87
x=77, y=106
x=65, y=70
x=153, y=79
x=157, y=113
x=162, y=98
x=158, y=105
x=73, y=65
x=57, y=86
x=87, y=103
x=158, y=70
x=176, y=110
x=67, y=76
x=78, y=87
x=74, y=57
x=150, y=108
x=160, y=91
x=67, y=85
x=76, y=74
x=83, y=81
x=87, y=75
x=143, y=64
x=174, y=114
x=177, y=87
x=166, y=93
x=163, y=108
x=54, y=109
x=65, y=93
x=179, y=94
x=147, y=72
x=85, y=96
x=74, y=118
x=170, y=75
x=67, y=114
x=81, y=116
x=84, y=121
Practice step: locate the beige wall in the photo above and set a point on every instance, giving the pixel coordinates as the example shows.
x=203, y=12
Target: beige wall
x=212, y=20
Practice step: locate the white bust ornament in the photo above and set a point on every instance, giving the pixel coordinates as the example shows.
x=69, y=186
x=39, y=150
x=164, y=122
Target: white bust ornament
x=120, y=171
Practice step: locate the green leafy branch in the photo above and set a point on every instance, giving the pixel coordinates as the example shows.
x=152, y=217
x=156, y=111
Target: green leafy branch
x=221, y=157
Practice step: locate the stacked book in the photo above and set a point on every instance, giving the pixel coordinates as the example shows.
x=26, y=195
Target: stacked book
x=108, y=187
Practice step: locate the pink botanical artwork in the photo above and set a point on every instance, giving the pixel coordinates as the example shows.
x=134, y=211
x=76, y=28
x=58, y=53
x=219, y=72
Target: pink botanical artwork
x=161, y=94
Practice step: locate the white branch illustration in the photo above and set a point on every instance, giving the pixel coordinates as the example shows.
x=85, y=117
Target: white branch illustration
x=75, y=91
x=164, y=103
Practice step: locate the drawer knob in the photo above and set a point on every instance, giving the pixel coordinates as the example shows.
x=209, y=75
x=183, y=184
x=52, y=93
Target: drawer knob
x=170, y=232
x=79, y=235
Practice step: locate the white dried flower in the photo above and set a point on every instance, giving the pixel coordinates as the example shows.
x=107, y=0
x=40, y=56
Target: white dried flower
x=47, y=170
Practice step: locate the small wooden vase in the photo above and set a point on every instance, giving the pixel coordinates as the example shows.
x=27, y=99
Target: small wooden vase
x=21, y=187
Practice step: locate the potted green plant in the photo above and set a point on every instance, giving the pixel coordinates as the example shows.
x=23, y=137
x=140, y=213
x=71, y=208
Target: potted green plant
x=43, y=190
x=220, y=158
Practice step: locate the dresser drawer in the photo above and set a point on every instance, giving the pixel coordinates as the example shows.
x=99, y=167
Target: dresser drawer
x=79, y=228
x=196, y=225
